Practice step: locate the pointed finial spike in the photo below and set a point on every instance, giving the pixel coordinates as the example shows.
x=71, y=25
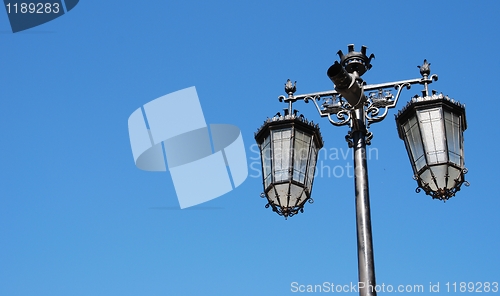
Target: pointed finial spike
x=363, y=49
x=341, y=54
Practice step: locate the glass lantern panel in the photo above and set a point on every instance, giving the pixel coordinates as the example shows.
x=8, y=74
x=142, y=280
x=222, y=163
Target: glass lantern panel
x=433, y=135
x=282, y=191
x=266, y=161
x=271, y=195
x=312, y=166
x=300, y=156
x=453, y=136
x=414, y=141
x=455, y=177
x=426, y=178
x=440, y=173
x=267, y=180
x=296, y=193
x=281, y=154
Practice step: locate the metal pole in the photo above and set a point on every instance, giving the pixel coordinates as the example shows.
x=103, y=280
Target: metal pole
x=366, y=266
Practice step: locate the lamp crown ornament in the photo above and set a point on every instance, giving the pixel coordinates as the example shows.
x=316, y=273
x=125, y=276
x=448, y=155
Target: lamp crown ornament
x=355, y=61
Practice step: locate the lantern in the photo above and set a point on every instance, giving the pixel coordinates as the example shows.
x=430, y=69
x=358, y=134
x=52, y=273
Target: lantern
x=289, y=148
x=432, y=128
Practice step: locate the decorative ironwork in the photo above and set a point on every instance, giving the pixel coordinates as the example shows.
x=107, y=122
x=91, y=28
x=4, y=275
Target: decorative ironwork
x=293, y=116
x=355, y=61
x=285, y=212
x=335, y=105
x=290, y=88
x=349, y=138
x=382, y=98
x=425, y=69
x=430, y=98
x=378, y=102
x=441, y=194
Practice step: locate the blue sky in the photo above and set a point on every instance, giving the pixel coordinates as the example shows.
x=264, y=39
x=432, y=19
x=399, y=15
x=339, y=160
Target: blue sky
x=78, y=218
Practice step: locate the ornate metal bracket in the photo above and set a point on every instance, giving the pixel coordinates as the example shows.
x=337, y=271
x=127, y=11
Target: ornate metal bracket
x=378, y=102
x=350, y=142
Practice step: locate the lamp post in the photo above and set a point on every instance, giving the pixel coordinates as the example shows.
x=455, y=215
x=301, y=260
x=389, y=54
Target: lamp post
x=431, y=126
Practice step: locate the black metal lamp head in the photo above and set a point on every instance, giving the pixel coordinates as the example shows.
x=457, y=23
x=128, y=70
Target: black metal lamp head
x=289, y=148
x=432, y=128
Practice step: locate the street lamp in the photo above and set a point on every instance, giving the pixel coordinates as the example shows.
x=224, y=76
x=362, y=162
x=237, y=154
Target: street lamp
x=432, y=127
x=289, y=146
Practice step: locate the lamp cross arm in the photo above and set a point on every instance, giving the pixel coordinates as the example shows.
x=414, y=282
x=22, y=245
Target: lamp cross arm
x=341, y=108
x=328, y=93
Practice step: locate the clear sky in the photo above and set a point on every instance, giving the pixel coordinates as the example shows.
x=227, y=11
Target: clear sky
x=78, y=218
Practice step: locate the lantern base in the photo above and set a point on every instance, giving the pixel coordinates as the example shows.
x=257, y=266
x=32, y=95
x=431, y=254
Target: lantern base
x=442, y=193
